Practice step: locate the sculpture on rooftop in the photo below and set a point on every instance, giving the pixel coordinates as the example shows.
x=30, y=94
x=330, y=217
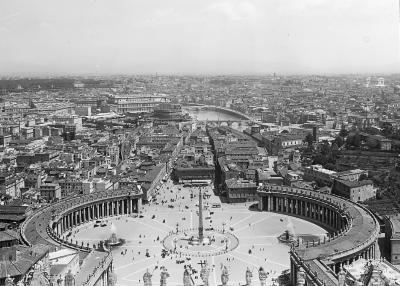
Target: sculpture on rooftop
x=164, y=275
x=262, y=275
x=249, y=276
x=205, y=273
x=224, y=275
x=112, y=278
x=9, y=281
x=187, y=279
x=341, y=277
x=147, y=278
x=301, y=277
x=69, y=279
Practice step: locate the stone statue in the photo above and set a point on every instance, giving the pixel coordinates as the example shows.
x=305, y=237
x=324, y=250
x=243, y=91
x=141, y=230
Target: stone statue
x=164, y=275
x=341, y=277
x=224, y=276
x=205, y=273
x=301, y=277
x=249, y=275
x=39, y=266
x=69, y=279
x=8, y=281
x=187, y=279
x=59, y=281
x=262, y=275
x=147, y=278
x=112, y=278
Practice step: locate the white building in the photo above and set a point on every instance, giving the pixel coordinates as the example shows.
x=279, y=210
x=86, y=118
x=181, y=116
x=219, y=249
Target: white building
x=137, y=102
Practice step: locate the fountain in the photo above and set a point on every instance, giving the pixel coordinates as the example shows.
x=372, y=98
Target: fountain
x=288, y=236
x=113, y=241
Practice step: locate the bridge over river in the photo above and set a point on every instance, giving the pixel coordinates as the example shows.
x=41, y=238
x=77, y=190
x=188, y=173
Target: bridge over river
x=234, y=115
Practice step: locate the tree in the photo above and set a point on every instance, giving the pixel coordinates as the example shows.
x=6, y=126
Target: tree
x=353, y=139
x=335, y=149
x=325, y=148
x=343, y=132
x=357, y=140
x=330, y=166
x=338, y=141
x=309, y=139
x=387, y=129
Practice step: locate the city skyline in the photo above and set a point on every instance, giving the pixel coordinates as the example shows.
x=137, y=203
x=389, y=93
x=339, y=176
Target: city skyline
x=200, y=37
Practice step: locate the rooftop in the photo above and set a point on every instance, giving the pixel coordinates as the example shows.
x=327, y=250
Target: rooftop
x=7, y=235
x=26, y=258
x=355, y=184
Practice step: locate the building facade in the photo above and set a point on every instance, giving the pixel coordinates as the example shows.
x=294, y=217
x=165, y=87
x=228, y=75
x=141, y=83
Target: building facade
x=137, y=102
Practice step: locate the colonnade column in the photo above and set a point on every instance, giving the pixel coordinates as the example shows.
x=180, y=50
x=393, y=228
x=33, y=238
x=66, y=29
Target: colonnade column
x=261, y=203
x=129, y=205
x=271, y=203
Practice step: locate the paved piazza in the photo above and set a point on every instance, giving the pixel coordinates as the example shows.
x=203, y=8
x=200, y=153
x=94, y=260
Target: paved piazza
x=148, y=234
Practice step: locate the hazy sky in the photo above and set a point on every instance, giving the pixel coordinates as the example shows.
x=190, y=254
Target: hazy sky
x=199, y=36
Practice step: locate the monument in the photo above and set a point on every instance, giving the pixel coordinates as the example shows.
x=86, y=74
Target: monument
x=262, y=275
x=112, y=278
x=200, y=239
x=147, y=278
x=249, y=275
x=187, y=278
x=69, y=279
x=9, y=281
x=224, y=275
x=201, y=234
x=205, y=273
x=163, y=277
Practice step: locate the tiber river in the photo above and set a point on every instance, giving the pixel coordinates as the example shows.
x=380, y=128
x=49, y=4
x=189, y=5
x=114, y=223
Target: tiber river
x=203, y=115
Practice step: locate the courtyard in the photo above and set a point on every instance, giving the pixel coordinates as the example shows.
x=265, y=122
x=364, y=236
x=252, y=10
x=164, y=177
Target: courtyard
x=241, y=236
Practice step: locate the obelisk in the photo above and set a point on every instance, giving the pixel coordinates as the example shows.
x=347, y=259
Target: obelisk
x=201, y=234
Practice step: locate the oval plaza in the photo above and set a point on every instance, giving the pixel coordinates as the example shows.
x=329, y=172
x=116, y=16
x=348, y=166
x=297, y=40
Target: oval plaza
x=353, y=230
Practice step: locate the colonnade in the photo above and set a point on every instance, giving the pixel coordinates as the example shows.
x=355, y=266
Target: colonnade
x=324, y=213
x=367, y=253
x=96, y=210
x=297, y=264
x=332, y=214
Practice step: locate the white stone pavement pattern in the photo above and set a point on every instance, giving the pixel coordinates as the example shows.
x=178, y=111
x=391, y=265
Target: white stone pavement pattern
x=257, y=233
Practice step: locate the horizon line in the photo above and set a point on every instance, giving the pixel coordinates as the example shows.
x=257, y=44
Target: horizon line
x=190, y=74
